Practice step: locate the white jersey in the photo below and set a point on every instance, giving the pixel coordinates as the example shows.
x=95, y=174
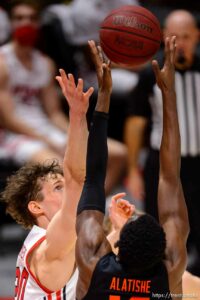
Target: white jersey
x=27, y=286
x=26, y=84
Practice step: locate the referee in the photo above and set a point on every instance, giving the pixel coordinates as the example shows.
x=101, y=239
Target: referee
x=147, y=105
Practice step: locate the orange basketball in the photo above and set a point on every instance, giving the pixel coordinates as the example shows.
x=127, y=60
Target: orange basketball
x=130, y=35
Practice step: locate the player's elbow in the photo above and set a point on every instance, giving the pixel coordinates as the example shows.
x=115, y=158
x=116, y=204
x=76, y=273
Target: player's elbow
x=74, y=175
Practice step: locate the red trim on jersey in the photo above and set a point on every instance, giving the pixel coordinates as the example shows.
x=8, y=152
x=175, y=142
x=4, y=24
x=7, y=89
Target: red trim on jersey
x=28, y=267
x=58, y=295
x=49, y=297
x=23, y=281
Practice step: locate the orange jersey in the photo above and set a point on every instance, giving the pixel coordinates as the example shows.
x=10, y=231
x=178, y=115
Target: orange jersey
x=111, y=282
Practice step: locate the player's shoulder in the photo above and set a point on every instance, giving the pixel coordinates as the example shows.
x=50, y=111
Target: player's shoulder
x=33, y=240
x=35, y=235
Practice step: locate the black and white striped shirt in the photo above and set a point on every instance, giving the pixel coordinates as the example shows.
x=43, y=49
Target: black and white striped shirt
x=148, y=102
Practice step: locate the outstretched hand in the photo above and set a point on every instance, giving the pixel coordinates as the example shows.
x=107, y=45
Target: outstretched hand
x=120, y=210
x=102, y=66
x=77, y=100
x=165, y=76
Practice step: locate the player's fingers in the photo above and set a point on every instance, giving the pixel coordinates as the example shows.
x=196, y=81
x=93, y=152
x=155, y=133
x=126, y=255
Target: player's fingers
x=156, y=68
x=106, y=73
x=97, y=59
x=167, y=50
x=80, y=87
x=104, y=58
x=95, y=54
x=62, y=72
x=89, y=92
x=59, y=79
x=106, y=69
x=112, y=203
x=112, y=208
x=101, y=54
x=68, y=83
x=132, y=209
x=63, y=76
x=125, y=208
x=128, y=211
x=118, y=196
x=71, y=80
x=123, y=203
x=173, y=49
x=92, y=46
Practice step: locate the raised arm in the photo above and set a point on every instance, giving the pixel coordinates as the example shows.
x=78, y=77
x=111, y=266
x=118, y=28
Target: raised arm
x=56, y=255
x=171, y=203
x=97, y=141
x=61, y=230
x=78, y=101
x=91, y=241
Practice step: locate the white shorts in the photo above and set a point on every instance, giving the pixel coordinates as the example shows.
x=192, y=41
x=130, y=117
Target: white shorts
x=20, y=148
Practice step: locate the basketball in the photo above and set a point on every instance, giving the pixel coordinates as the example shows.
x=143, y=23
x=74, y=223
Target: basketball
x=130, y=35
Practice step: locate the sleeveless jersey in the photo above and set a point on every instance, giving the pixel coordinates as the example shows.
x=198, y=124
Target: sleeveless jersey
x=27, y=286
x=26, y=84
x=111, y=282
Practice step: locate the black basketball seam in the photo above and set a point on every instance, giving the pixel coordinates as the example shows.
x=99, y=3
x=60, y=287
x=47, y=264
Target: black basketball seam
x=126, y=55
x=128, y=11
x=132, y=33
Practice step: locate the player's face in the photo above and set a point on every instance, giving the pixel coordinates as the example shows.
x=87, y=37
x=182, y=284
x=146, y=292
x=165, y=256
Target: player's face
x=24, y=15
x=53, y=192
x=186, y=41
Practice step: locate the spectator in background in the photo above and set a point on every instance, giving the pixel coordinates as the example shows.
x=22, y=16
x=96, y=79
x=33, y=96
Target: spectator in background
x=81, y=20
x=4, y=26
x=34, y=126
x=33, y=121
x=148, y=106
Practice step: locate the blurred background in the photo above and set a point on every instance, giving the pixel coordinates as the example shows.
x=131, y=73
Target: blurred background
x=65, y=28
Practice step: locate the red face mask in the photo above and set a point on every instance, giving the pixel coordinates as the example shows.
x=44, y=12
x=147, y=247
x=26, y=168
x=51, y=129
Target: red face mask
x=26, y=35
